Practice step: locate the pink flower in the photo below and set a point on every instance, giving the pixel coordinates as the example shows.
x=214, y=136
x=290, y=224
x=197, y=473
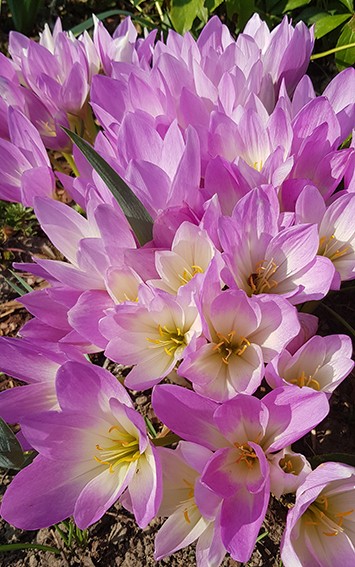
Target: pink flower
x=320, y=527
x=322, y=363
x=90, y=452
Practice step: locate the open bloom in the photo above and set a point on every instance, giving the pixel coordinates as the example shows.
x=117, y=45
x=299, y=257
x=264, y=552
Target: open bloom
x=241, y=334
x=244, y=432
x=320, y=528
x=264, y=259
x=90, y=452
x=322, y=363
x=152, y=334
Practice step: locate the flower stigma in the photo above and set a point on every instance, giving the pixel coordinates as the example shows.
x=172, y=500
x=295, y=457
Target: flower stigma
x=125, y=449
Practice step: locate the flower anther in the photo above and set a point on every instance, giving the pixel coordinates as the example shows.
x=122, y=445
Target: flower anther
x=331, y=248
x=247, y=454
x=171, y=340
x=228, y=345
x=321, y=514
x=188, y=274
x=260, y=280
x=125, y=448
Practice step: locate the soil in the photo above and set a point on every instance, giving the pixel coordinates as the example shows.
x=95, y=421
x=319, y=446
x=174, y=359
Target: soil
x=116, y=540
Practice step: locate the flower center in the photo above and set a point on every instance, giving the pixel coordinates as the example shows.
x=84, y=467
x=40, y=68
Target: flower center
x=318, y=514
x=287, y=466
x=304, y=380
x=260, y=281
x=170, y=340
x=247, y=454
x=331, y=248
x=228, y=345
x=188, y=274
x=125, y=449
x=189, y=504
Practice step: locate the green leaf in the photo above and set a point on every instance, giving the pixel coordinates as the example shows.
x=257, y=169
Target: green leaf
x=211, y=5
x=346, y=458
x=346, y=58
x=328, y=24
x=24, y=13
x=11, y=454
x=293, y=4
x=183, y=13
x=87, y=24
x=243, y=9
x=23, y=282
x=349, y=4
x=136, y=214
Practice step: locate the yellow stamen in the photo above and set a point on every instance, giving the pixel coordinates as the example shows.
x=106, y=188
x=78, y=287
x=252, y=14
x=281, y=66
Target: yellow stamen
x=332, y=248
x=186, y=516
x=304, y=380
x=260, y=280
x=247, y=454
x=170, y=341
x=228, y=345
x=319, y=514
x=125, y=449
x=187, y=274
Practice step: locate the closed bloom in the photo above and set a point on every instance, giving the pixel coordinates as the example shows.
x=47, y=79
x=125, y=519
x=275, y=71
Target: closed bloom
x=90, y=452
x=320, y=528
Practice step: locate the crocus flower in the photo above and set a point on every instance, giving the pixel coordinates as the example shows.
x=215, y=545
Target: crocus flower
x=263, y=259
x=241, y=334
x=90, y=452
x=36, y=366
x=245, y=431
x=191, y=253
x=322, y=363
x=25, y=166
x=320, y=527
x=335, y=226
x=151, y=334
x=182, y=490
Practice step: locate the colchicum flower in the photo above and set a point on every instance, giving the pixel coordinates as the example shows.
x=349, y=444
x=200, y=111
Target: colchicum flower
x=90, y=452
x=320, y=528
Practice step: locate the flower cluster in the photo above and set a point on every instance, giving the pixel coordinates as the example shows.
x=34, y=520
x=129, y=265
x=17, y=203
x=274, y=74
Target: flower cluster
x=239, y=165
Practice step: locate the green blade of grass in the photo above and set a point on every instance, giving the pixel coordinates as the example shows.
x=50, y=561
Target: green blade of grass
x=19, y=546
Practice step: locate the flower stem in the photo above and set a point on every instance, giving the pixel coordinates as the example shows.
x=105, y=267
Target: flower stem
x=330, y=51
x=72, y=163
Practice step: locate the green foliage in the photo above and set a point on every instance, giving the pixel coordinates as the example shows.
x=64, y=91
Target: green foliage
x=24, y=14
x=137, y=216
x=70, y=533
x=11, y=454
x=20, y=546
x=346, y=58
x=328, y=23
x=345, y=458
x=183, y=13
x=18, y=218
